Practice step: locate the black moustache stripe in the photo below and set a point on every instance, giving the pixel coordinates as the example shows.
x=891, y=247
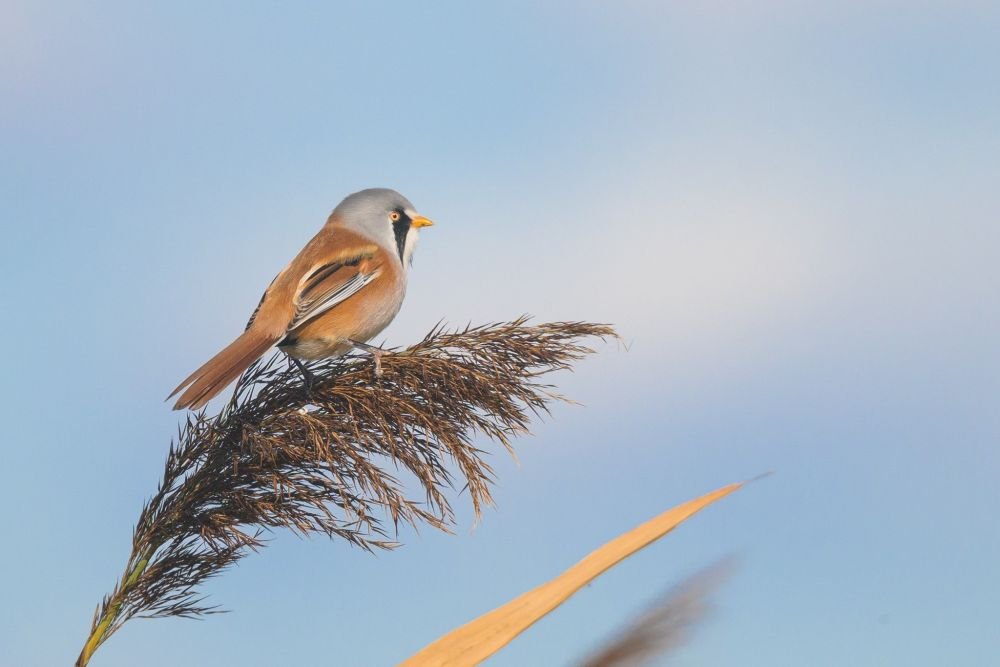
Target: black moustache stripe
x=401, y=228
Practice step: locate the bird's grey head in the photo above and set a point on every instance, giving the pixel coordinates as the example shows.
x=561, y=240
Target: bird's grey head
x=384, y=216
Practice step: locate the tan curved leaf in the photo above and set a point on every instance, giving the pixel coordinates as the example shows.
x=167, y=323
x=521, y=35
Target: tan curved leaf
x=479, y=639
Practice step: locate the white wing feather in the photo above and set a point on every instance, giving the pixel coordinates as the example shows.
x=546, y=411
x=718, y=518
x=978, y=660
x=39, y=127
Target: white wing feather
x=315, y=307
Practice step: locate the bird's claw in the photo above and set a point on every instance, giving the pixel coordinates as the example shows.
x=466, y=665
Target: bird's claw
x=376, y=353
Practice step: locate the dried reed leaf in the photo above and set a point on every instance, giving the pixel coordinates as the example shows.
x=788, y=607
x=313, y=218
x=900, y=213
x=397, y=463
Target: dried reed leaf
x=326, y=455
x=479, y=639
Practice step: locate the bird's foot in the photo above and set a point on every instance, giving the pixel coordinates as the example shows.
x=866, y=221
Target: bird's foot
x=308, y=379
x=376, y=353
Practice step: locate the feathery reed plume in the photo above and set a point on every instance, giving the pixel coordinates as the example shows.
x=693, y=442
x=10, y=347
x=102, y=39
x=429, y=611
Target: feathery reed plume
x=667, y=624
x=304, y=454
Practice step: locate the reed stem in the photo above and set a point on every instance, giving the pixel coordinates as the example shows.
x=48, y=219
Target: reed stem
x=100, y=631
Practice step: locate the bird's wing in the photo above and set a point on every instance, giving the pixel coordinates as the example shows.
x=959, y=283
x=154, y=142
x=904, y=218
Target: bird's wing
x=253, y=315
x=334, y=282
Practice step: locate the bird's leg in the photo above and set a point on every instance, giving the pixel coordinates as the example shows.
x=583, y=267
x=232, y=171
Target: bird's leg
x=307, y=377
x=376, y=353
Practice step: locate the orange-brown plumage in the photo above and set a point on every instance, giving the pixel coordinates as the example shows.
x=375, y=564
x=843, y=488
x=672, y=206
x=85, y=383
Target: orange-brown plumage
x=213, y=376
x=344, y=286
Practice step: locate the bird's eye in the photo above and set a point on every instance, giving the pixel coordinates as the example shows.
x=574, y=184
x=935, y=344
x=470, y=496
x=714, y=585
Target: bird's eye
x=394, y=216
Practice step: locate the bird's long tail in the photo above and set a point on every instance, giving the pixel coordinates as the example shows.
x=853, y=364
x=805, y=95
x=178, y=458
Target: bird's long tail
x=212, y=377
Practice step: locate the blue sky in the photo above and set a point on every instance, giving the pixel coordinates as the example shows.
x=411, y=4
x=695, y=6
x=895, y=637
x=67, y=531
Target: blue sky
x=788, y=209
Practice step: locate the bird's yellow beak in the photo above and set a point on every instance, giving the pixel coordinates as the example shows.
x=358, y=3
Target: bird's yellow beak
x=421, y=221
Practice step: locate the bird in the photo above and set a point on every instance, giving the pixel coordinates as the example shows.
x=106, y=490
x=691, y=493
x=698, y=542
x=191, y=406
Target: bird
x=342, y=289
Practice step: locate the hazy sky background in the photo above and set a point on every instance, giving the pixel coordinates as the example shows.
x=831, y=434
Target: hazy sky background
x=790, y=210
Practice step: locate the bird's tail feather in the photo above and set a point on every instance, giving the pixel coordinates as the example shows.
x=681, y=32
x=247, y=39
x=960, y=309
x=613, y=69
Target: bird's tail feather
x=212, y=377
